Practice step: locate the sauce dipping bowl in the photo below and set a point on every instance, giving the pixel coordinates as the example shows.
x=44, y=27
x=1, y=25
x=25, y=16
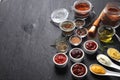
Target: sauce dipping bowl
x=60, y=60
x=79, y=22
x=78, y=70
x=82, y=32
x=90, y=46
x=82, y=8
x=67, y=27
x=76, y=55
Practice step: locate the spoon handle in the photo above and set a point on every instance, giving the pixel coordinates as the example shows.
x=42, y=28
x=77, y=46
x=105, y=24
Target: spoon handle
x=111, y=73
x=117, y=37
x=115, y=66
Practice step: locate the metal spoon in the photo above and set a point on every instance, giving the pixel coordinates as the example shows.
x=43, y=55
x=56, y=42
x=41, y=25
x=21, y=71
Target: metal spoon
x=108, y=73
x=109, y=63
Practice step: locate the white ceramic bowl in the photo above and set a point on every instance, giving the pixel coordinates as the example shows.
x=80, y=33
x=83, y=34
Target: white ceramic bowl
x=76, y=43
x=62, y=50
x=78, y=19
x=76, y=76
x=82, y=36
x=90, y=51
x=76, y=59
x=65, y=22
x=63, y=64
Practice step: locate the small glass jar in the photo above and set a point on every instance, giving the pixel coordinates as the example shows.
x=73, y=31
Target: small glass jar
x=82, y=8
x=106, y=33
x=111, y=14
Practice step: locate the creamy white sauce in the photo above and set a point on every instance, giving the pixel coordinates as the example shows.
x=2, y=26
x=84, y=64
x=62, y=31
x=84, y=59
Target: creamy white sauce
x=104, y=60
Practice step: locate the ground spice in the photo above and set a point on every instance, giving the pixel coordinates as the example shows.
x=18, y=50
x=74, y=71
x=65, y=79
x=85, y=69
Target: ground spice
x=97, y=69
x=75, y=40
x=67, y=25
x=61, y=46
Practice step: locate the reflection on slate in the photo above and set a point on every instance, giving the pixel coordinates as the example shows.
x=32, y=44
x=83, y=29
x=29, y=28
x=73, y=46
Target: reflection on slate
x=99, y=77
x=61, y=71
x=2, y=1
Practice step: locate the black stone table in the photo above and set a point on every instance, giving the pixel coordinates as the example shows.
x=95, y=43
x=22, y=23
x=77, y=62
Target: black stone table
x=26, y=33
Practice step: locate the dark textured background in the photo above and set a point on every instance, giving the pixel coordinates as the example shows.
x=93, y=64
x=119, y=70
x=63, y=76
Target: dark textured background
x=25, y=38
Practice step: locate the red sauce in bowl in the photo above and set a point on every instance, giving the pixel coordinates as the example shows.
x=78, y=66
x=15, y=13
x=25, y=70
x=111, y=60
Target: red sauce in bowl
x=79, y=69
x=60, y=58
x=82, y=6
x=90, y=45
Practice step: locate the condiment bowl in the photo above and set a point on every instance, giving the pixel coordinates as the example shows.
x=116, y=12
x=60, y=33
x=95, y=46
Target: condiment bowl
x=76, y=55
x=80, y=12
x=90, y=46
x=79, y=22
x=60, y=60
x=75, y=40
x=62, y=46
x=78, y=70
x=82, y=32
x=67, y=26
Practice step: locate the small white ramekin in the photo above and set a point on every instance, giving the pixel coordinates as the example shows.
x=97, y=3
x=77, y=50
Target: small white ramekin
x=76, y=59
x=79, y=77
x=90, y=51
x=60, y=65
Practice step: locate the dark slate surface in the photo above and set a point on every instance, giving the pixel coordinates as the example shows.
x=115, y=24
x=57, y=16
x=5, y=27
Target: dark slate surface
x=26, y=34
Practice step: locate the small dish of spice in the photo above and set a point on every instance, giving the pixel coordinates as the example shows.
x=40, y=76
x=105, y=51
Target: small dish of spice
x=78, y=70
x=67, y=26
x=76, y=54
x=60, y=60
x=82, y=32
x=75, y=40
x=79, y=22
x=62, y=46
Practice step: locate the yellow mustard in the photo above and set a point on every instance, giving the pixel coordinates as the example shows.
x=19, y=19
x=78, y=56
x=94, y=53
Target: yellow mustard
x=114, y=53
x=97, y=69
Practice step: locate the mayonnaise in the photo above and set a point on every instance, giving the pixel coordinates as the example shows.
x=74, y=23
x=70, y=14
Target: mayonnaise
x=103, y=59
